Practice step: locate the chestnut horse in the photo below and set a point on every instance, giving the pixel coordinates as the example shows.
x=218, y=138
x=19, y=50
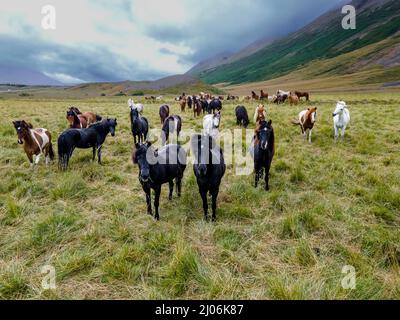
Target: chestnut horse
x=260, y=113
x=182, y=103
x=263, y=95
x=79, y=120
x=300, y=94
x=36, y=141
x=254, y=96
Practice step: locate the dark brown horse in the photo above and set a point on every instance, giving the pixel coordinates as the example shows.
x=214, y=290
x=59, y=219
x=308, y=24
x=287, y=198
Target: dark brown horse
x=182, y=103
x=197, y=107
x=255, y=96
x=264, y=95
x=35, y=141
x=300, y=95
x=164, y=113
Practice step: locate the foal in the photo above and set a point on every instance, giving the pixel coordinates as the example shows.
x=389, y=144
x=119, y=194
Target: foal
x=35, y=141
x=209, y=168
x=307, y=119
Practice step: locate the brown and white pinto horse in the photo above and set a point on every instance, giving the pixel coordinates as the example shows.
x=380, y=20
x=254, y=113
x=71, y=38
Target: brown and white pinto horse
x=35, y=141
x=306, y=121
x=263, y=95
x=260, y=114
x=300, y=94
x=79, y=120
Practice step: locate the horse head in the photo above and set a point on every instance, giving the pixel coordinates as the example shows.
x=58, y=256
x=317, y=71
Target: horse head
x=217, y=119
x=340, y=106
x=264, y=132
x=141, y=157
x=112, y=124
x=312, y=112
x=22, y=129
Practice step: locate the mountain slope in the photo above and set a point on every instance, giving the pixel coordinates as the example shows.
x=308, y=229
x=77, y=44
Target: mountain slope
x=324, y=38
x=25, y=76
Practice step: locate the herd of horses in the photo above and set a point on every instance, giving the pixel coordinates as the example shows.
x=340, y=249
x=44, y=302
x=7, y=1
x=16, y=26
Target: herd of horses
x=167, y=164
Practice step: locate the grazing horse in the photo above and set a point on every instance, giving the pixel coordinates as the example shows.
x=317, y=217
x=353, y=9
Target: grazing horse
x=341, y=118
x=300, y=94
x=171, y=124
x=260, y=114
x=79, y=120
x=139, y=126
x=263, y=95
x=197, y=106
x=214, y=105
x=306, y=121
x=92, y=137
x=211, y=124
x=35, y=141
x=164, y=113
x=135, y=106
x=209, y=168
x=293, y=100
x=158, y=168
x=254, y=96
x=242, y=117
x=263, y=150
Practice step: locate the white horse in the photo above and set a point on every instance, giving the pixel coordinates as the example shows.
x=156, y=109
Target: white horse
x=135, y=106
x=341, y=118
x=282, y=93
x=211, y=124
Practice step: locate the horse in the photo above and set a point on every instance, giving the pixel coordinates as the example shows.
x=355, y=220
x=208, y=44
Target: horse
x=293, y=100
x=190, y=102
x=36, y=141
x=78, y=119
x=211, y=123
x=307, y=119
x=280, y=99
x=246, y=98
x=171, y=124
x=214, y=105
x=209, y=168
x=157, y=168
x=135, y=106
x=242, y=117
x=92, y=137
x=197, y=106
x=204, y=105
x=254, y=96
x=281, y=93
x=260, y=113
x=263, y=95
x=300, y=94
x=164, y=113
x=139, y=126
x=263, y=150
x=182, y=103
x=341, y=118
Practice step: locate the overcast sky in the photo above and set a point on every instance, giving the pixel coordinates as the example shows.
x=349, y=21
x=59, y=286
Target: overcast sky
x=99, y=40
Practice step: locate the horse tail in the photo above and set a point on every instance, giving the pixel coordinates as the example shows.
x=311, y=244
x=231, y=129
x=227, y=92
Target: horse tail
x=63, y=152
x=296, y=122
x=51, y=152
x=98, y=118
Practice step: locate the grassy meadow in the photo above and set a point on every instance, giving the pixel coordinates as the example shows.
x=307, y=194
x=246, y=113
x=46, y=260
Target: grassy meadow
x=330, y=205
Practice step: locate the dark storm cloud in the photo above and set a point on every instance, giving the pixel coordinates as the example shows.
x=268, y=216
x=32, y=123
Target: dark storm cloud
x=223, y=27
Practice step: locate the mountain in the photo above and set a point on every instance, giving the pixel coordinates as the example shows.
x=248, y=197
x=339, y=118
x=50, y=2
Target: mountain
x=376, y=42
x=26, y=76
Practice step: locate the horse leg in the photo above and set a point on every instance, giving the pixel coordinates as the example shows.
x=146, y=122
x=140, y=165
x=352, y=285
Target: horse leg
x=99, y=153
x=171, y=189
x=30, y=158
x=257, y=176
x=343, y=130
x=214, y=205
x=309, y=135
x=148, y=201
x=203, y=194
x=157, y=201
x=94, y=154
x=178, y=182
x=37, y=159
x=268, y=167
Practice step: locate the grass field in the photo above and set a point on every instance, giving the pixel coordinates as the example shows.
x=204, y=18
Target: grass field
x=330, y=205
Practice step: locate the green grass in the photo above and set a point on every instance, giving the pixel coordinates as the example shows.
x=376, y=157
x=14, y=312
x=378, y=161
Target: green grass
x=330, y=205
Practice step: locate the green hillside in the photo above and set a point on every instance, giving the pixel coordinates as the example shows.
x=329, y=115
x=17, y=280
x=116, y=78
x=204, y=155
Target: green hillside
x=323, y=39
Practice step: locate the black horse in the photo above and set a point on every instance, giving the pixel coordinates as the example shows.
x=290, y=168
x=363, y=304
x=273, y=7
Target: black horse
x=157, y=168
x=204, y=105
x=263, y=151
x=209, y=168
x=139, y=126
x=164, y=113
x=242, y=117
x=189, y=102
x=92, y=137
x=215, y=105
x=171, y=124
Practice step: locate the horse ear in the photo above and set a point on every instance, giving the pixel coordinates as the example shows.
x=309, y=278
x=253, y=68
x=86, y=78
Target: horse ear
x=148, y=144
x=137, y=145
x=270, y=122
